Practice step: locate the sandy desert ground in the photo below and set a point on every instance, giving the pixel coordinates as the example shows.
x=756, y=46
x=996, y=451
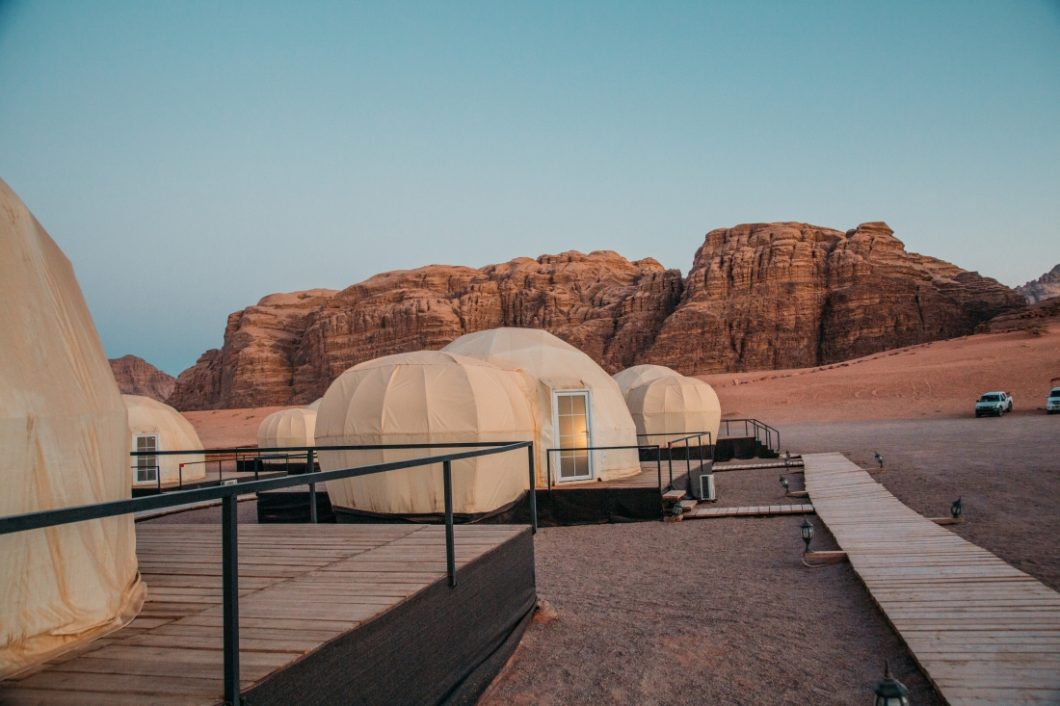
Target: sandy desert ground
x=722, y=611
x=940, y=379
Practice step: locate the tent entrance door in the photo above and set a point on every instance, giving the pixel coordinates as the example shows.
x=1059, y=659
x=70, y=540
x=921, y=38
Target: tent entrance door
x=572, y=423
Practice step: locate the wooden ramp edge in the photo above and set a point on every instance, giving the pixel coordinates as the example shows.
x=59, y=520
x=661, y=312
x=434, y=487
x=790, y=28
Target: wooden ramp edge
x=982, y=631
x=706, y=512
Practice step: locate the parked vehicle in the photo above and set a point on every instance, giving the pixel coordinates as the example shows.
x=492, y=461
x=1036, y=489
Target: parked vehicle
x=995, y=403
x=1052, y=402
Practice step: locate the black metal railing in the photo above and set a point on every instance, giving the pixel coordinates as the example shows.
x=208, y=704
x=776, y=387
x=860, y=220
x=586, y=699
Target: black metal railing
x=228, y=495
x=761, y=432
x=685, y=439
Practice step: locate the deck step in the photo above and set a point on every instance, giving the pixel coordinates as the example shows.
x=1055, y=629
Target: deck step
x=673, y=496
x=708, y=511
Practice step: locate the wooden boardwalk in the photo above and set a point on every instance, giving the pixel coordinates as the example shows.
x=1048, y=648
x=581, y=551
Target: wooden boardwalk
x=982, y=631
x=704, y=511
x=301, y=586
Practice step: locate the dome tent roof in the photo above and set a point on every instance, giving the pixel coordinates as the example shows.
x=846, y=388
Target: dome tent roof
x=557, y=366
x=640, y=374
x=675, y=405
x=295, y=426
x=425, y=397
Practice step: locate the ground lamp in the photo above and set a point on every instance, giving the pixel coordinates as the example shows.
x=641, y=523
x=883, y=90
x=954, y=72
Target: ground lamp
x=784, y=482
x=879, y=459
x=807, y=534
x=889, y=691
x=956, y=508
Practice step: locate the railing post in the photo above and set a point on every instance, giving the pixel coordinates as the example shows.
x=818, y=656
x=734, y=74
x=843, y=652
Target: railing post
x=533, y=488
x=450, y=549
x=548, y=469
x=658, y=465
x=230, y=596
x=158, y=477
x=180, y=476
x=688, y=461
x=312, y=488
x=670, y=461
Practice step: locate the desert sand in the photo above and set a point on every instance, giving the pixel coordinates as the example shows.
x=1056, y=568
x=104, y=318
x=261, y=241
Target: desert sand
x=228, y=428
x=940, y=379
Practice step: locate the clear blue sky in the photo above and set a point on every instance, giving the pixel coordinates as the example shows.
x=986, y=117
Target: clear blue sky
x=191, y=157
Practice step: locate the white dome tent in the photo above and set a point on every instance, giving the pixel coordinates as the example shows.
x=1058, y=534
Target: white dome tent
x=63, y=432
x=295, y=427
x=640, y=374
x=425, y=397
x=670, y=407
x=577, y=404
x=155, y=426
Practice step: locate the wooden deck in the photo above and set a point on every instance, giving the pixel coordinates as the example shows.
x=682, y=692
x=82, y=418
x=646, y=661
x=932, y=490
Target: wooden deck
x=982, y=631
x=704, y=511
x=301, y=586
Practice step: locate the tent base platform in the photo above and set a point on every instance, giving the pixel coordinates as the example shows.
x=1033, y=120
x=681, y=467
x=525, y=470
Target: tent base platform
x=328, y=614
x=634, y=499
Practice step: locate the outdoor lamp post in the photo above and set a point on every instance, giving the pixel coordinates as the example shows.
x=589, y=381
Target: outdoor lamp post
x=784, y=483
x=787, y=458
x=807, y=534
x=956, y=508
x=879, y=459
x=889, y=691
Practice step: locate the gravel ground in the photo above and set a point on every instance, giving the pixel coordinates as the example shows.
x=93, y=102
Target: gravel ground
x=723, y=612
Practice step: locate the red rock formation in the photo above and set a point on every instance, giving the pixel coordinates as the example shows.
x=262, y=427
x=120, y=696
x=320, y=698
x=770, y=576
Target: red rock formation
x=135, y=376
x=289, y=348
x=759, y=296
x=791, y=295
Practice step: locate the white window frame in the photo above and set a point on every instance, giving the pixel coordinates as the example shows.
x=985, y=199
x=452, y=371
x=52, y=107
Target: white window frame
x=152, y=472
x=587, y=393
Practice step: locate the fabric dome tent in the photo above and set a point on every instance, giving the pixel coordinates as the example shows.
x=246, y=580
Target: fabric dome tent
x=640, y=374
x=62, y=430
x=676, y=405
x=577, y=403
x=295, y=426
x=154, y=425
x=425, y=397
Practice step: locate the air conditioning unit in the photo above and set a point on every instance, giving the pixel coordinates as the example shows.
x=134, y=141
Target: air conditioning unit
x=706, y=487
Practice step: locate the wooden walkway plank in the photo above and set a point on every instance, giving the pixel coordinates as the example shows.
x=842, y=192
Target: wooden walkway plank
x=982, y=631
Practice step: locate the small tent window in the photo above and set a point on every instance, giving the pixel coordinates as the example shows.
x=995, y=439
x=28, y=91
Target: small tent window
x=572, y=423
x=147, y=466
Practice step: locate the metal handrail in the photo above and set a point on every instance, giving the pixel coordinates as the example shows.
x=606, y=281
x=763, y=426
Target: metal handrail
x=698, y=436
x=761, y=431
x=228, y=495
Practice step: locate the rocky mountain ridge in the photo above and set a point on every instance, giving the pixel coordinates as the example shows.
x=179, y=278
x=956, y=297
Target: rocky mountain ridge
x=1045, y=287
x=758, y=296
x=135, y=376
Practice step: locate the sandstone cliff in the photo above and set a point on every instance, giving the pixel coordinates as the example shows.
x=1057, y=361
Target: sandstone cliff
x=758, y=296
x=1045, y=287
x=289, y=347
x=792, y=295
x=135, y=376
